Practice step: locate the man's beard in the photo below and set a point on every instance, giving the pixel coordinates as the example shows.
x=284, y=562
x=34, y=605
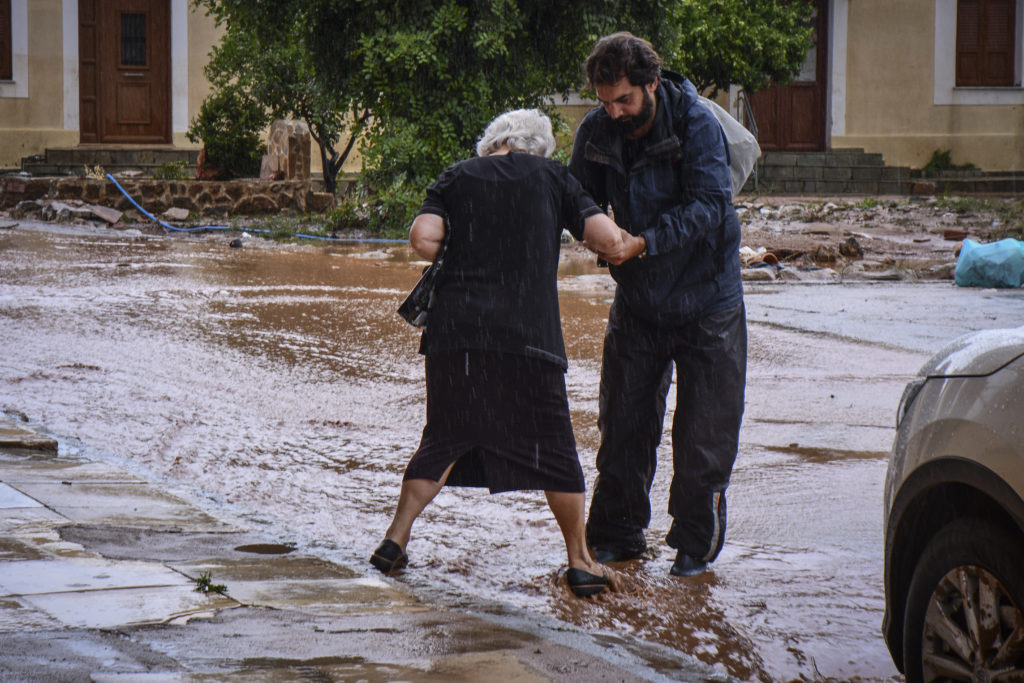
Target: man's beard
x=631, y=124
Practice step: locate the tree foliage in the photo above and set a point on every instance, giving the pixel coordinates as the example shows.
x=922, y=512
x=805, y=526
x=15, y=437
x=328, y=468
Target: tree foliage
x=264, y=58
x=228, y=125
x=750, y=43
x=433, y=73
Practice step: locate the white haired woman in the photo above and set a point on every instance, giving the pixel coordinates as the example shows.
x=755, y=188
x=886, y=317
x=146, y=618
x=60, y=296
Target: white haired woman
x=497, y=410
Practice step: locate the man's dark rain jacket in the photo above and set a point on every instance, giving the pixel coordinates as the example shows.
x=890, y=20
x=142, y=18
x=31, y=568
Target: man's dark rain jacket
x=677, y=195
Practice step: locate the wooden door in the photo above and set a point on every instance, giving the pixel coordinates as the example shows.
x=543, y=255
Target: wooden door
x=125, y=58
x=792, y=117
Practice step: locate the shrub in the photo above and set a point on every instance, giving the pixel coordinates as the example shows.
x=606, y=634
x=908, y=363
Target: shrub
x=942, y=160
x=229, y=127
x=171, y=170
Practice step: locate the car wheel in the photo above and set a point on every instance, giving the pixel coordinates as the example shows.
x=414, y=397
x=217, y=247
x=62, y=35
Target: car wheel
x=963, y=619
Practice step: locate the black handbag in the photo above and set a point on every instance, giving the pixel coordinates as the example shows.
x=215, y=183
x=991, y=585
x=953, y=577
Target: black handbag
x=417, y=305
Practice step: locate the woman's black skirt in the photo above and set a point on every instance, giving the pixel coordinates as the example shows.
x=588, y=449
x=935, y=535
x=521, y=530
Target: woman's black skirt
x=502, y=419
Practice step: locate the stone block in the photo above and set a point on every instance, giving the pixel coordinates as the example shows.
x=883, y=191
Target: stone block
x=811, y=159
x=836, y=173
x=924, y=188
x=288, y=150
x=259, y=203
x=866, y=173
x=270, y=167
x=892, y=188
x=321, y=201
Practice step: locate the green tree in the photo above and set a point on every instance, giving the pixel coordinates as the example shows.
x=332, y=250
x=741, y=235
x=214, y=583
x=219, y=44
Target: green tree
x=264, y=58
x=750, y=43
x=433, y=73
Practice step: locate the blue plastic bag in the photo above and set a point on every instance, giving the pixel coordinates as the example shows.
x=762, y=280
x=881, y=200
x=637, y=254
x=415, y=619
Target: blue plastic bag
x=997, y=264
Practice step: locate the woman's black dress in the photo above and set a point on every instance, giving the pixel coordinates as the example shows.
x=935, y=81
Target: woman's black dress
x=495, y=358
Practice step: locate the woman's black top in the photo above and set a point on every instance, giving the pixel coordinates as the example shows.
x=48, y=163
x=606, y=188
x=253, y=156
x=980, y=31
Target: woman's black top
x=498, y=289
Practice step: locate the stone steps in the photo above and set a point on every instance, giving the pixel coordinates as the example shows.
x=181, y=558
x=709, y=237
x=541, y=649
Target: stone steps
x=840, y=171
x=65, y=161
x=854, y=171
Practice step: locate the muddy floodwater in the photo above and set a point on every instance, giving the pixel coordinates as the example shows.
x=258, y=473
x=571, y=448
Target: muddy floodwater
x=279, y=381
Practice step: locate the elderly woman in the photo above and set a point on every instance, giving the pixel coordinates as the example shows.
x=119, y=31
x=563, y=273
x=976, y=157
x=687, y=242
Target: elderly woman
x=497, y=410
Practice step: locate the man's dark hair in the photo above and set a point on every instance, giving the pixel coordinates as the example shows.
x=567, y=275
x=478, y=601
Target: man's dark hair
x=622, y=54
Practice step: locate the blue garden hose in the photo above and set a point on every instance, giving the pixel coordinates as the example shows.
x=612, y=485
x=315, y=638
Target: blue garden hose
x=229, y=227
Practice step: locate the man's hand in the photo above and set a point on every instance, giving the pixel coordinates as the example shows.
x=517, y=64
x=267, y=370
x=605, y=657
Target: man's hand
x=631, y=247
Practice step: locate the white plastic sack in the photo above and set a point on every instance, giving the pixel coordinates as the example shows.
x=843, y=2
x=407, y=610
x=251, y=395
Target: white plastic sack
x=743, y=148
x=997, y=264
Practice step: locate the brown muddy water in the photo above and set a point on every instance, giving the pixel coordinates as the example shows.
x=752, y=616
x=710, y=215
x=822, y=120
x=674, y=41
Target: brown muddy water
x=280, y=381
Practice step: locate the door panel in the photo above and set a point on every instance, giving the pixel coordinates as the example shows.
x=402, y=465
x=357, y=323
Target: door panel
x=792, y=117
x=125, y=70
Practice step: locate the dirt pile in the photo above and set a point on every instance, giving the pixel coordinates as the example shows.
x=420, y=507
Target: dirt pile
x=868, y=239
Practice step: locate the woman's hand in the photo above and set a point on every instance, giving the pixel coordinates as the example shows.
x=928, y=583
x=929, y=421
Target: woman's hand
x=628, y=246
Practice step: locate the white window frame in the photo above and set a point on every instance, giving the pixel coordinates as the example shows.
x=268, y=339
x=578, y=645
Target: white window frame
x=945, y=91
x=17, y=87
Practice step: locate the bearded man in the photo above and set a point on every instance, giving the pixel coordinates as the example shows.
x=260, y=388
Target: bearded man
x=657, y=156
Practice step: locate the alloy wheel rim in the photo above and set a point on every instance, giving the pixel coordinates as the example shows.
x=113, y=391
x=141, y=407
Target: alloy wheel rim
x=973, y=630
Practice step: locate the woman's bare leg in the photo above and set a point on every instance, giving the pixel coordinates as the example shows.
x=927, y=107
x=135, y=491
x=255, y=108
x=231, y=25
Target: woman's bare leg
x=568, y=509
x=416, y=494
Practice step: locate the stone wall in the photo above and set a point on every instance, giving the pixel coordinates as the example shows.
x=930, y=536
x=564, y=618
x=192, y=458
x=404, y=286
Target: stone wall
x=207, y=199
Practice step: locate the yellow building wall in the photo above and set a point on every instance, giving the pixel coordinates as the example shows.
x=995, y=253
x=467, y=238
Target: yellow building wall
x=29, y=124
x=890, y=99
x=203, y=34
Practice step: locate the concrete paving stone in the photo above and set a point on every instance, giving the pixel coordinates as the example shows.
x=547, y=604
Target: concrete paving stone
x=47, y=540
x=176, y=545
x=16, y=469
x=127, y=606
x=12, y=436
x=327, y=597
x=277, y=645
x=11, y=498
x=16, y=615
x=13, y=549
x=55, y=576
x=76, y=655
x=280, y=567
x=34, y=526
x=125, y=504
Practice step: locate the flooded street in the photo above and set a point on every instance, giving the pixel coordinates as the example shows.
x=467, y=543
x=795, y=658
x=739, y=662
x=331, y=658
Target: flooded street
x=280, y=382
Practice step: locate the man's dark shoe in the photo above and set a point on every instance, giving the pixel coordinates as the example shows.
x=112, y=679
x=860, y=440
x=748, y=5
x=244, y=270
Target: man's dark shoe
x=687, y=565
x=611, y=553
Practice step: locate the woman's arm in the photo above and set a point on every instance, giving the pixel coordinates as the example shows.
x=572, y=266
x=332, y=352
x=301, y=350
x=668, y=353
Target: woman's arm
x=426, y=235
x=613, y=244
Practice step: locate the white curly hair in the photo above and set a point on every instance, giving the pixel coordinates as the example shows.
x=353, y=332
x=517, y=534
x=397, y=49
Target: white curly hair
x=522, y=130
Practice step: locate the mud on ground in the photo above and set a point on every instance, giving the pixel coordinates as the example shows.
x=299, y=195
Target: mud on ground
x=895, y=238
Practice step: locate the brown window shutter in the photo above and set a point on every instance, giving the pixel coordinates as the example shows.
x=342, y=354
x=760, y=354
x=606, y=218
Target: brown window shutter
x=968, y=38
x=6, y=47
x=998, y=50
x=985, y=32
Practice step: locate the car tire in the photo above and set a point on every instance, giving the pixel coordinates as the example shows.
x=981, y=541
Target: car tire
x=971, y=571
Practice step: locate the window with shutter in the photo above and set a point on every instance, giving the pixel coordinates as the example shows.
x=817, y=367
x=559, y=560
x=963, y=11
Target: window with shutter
x=6, y=47
x=985, y=42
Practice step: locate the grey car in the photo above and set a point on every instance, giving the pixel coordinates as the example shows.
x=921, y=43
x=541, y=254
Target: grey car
x=954, y=513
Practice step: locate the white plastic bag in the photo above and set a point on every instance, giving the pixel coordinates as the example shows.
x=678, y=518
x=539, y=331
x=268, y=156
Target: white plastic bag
x=741, y=144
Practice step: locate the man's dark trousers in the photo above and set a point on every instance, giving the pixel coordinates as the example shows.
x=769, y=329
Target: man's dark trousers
x=710, y=358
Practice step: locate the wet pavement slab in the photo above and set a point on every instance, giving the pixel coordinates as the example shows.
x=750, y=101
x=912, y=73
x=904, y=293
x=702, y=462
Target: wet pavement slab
x=102, y=576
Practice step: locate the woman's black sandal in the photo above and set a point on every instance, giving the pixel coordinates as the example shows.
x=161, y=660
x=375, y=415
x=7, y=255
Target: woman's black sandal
x=584, y=584
x=389, y=557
